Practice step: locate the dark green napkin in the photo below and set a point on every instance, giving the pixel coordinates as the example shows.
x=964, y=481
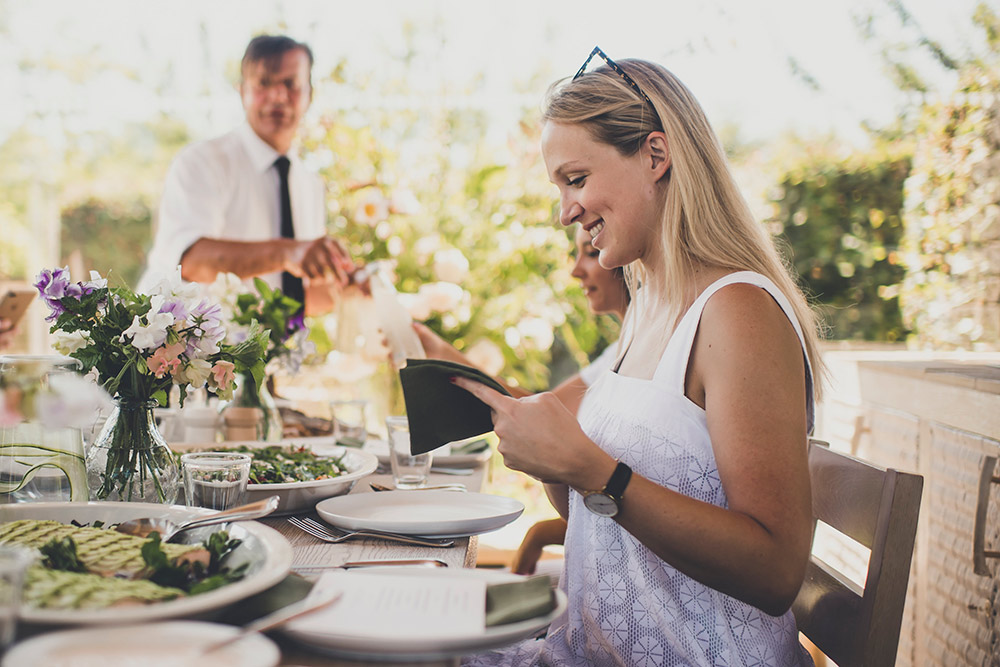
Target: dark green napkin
x=519, y=600
x=439, y=411
x=287, y=591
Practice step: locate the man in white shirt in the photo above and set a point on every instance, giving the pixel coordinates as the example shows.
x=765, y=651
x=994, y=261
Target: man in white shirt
x=241, y=203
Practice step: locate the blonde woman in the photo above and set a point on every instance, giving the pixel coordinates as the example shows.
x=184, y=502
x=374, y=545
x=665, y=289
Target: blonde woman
x=685, y=481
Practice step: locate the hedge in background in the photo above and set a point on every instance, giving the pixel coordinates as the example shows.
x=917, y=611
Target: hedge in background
x=841, y=218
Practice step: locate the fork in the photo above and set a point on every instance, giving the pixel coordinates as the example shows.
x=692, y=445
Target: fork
x=335, y=536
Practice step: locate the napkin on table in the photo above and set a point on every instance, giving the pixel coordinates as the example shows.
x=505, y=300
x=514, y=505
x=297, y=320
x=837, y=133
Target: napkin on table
x=439, y=411
x=519, y=600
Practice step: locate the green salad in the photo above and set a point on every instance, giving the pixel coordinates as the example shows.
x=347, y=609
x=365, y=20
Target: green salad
x=279, y=464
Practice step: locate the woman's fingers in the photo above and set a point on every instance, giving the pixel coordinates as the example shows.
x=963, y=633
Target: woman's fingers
x=490, y=397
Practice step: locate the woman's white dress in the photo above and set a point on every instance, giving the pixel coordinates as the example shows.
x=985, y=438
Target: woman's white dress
x=626, y=605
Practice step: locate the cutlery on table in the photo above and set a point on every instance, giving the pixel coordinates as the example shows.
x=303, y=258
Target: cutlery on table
x=411, y=562
x=445, y=470
x=168, y=529
x=275, y=619
x=433, y=487
x=337, y=535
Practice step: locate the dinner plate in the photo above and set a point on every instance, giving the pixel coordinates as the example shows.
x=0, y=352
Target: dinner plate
x=267, y=553
x=165, y=644
x=383, y=644
x=418, y=512
x=380, y=448
x=300, y=496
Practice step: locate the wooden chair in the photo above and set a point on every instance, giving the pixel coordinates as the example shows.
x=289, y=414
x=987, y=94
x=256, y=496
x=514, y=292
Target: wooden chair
x=878, y=508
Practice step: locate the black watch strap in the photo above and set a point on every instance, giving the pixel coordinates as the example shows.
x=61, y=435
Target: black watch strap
x=618, y=481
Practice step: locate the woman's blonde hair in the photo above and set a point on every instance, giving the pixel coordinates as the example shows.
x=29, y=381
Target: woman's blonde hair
x=706, y=220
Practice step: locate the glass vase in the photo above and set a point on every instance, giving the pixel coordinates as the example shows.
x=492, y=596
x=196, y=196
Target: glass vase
x=269, y=427
x=130, y=461
x=39, y=462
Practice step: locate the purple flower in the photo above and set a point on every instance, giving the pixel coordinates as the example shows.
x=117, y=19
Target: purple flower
x=176, y=307
x=295, y=322
x=209, y=330
x=53, y=286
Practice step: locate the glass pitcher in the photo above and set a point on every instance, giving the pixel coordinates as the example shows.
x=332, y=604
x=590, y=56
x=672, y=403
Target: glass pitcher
x=38, y=460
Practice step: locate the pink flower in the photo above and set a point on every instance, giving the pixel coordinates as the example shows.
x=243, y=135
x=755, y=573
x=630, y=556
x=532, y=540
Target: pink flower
x=164, y=361
x=222, y=373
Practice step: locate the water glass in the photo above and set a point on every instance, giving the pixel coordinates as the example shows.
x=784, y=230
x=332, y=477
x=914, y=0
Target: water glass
x=409, y=471
x=216, y=480
x=350, y=419
x=14, y=562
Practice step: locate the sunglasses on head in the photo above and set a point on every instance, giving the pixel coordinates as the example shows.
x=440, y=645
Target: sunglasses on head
x=616, y=68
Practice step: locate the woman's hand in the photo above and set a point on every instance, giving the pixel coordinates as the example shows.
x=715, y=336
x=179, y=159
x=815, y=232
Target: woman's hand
x=540, y=437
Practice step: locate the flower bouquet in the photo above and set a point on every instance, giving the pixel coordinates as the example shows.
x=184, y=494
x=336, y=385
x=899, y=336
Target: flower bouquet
x=287, y=344
x=138, y=347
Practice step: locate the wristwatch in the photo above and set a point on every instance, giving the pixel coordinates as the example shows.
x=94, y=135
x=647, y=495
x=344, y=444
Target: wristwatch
x=608, y=501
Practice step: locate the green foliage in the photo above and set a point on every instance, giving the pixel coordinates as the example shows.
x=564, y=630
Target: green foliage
x=953, y=218
x=418, y=186
x=842, y=219
x=108, y=236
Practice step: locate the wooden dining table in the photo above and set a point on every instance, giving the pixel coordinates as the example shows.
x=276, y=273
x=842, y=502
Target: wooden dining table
x=311, y=557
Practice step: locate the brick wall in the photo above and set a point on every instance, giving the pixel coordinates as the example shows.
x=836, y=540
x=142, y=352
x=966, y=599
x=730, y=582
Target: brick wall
x=900, y=410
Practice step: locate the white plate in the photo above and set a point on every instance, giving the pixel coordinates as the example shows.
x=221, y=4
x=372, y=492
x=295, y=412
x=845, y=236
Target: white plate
x=425, y=513
x=390, y=647
x=268, y=553
x=301, y=496
x=380, y=448
x=152, y=645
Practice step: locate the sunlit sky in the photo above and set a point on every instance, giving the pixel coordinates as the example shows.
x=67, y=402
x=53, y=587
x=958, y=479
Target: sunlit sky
x=734, y=54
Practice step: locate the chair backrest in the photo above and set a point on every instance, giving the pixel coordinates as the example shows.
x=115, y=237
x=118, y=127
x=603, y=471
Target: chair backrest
x=878, y=508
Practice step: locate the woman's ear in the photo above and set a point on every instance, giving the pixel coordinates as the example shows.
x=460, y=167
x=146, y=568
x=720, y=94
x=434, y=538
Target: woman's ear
x=657, y=154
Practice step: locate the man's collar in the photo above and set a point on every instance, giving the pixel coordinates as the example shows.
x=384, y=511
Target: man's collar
x=262, y=155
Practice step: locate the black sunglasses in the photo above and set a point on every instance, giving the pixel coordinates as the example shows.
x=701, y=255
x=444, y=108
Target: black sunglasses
x=616, y=68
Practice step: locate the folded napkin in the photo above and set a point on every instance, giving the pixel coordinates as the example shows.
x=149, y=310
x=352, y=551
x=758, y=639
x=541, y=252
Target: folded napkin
x=289, y=590
x=439, y=411
x=519, y=600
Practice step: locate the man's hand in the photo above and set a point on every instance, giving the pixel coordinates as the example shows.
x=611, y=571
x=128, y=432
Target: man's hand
x=323, y=260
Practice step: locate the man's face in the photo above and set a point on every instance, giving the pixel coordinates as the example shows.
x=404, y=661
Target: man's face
x=276, y=94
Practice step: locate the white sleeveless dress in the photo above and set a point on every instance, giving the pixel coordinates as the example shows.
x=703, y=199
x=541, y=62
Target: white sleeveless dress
x=626, y=605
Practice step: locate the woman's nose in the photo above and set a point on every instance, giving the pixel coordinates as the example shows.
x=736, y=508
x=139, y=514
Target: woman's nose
x=578, y=271
x=569, y=213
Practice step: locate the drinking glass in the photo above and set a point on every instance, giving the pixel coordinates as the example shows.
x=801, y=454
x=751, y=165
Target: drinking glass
x=14, y=562
x=350, y=419
x=409, y=471
x=216, y=480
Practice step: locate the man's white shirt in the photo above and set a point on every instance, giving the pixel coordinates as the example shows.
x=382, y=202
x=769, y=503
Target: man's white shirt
x=226, y=188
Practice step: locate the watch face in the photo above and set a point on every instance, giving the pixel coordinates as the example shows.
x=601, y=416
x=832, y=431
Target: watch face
x=601, y=503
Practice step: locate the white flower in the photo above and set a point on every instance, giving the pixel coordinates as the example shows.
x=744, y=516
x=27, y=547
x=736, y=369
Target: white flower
x=486, y=355
x=195, y=373
x=537, y=331
x=72, y=401
x=403, y=201
x=450, y=265
x=96, y=281
x=69, y=342
x=373, y=209
x=418, y=305
x=151, y=336
x=174, y=285
x=441, y=296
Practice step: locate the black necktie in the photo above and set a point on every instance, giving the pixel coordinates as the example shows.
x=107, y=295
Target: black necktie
x=290, y=285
